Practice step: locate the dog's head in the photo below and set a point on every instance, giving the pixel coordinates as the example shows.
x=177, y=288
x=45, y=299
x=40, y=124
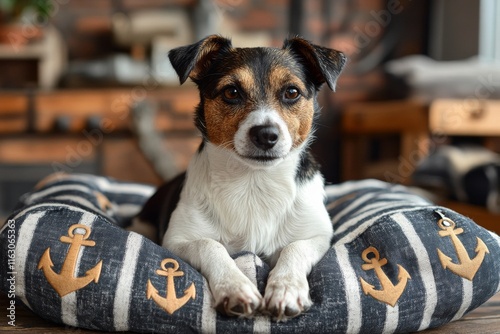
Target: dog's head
x=258, y=102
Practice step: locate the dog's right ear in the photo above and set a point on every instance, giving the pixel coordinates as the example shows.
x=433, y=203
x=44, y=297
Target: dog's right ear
x=193, y=60
x=323, y=64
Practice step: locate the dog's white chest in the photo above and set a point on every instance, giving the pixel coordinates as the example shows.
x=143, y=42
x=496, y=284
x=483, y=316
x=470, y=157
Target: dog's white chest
x=246, y=209
x=251, y=209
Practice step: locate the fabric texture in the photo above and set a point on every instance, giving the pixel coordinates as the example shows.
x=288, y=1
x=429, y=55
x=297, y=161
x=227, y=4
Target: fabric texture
x=397, y=264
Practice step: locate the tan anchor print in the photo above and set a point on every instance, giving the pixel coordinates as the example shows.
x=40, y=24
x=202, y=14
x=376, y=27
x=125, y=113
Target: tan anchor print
x=170, y=303
x=66, y=282
x=389, y=293
x=467, y=267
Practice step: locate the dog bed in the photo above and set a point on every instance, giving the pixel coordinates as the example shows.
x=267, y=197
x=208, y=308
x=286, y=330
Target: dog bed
x=398, y=264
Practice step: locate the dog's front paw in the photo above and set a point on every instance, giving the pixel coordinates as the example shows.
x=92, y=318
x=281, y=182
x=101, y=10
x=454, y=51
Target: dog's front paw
x=287, y=296
x=236, y=296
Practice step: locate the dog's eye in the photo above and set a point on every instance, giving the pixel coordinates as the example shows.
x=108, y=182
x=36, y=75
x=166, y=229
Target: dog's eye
x=291, y=94
x=231, y=94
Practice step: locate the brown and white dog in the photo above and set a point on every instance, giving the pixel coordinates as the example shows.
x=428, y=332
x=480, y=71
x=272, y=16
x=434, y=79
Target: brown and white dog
x=253, y=185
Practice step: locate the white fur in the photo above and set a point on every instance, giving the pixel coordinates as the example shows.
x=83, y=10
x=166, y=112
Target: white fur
x=230, y=205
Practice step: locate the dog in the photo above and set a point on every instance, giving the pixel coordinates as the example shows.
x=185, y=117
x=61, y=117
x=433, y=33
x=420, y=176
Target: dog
x=253, y=184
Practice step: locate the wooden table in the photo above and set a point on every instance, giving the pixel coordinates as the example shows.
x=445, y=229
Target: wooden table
x=483, y=320
x=422, y=129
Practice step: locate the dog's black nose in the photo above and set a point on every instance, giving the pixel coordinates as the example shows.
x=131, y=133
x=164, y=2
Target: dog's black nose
x=264, y=136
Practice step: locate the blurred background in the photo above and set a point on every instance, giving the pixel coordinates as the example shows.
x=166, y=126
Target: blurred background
x=86, y=86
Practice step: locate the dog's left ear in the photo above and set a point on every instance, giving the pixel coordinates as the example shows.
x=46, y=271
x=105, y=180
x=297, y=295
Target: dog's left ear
x=193, y=60
x=323, y=64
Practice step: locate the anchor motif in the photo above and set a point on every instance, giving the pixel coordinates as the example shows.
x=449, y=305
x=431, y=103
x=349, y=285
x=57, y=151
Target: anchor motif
x=170, y=303
x=65, y=282
x=467, y=267
x=389, y=293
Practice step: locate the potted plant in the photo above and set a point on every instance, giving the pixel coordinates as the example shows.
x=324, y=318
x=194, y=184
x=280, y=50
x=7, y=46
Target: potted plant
x=23, y=18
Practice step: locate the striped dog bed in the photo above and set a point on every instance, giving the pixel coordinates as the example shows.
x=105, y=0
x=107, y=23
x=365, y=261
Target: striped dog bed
x=397, y=264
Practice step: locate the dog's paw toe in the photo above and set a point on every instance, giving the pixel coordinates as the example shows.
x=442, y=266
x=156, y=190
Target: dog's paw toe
x=241, y=309
x=237, y=299
x=285, y=298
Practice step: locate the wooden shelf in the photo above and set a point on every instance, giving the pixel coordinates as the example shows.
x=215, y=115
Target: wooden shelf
x=70, y=128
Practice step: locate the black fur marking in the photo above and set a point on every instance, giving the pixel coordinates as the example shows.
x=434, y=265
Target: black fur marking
x=198, y=56
x=199, y=119
x=323, y=64
x=201, y=147
x=158, y=209
x=307, y=168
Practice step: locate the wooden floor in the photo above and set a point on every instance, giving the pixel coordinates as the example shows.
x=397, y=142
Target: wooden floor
x=483, y=320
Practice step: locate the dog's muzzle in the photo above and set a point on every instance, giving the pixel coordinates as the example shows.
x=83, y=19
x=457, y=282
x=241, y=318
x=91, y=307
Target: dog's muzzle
x=264, y=137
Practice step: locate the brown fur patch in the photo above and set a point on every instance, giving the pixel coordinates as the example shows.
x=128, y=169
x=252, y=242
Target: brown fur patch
x=242, y=76
x=222, y=119
x=297, y=116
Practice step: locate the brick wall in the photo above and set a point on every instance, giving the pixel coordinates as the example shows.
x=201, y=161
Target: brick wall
x=356, y=27
x=86, y=24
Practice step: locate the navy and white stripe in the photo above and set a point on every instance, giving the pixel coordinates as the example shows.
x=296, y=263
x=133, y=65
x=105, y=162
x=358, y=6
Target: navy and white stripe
x=121, y=306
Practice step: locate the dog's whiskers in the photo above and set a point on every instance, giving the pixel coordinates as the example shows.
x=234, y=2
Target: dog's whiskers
x=231, y=159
